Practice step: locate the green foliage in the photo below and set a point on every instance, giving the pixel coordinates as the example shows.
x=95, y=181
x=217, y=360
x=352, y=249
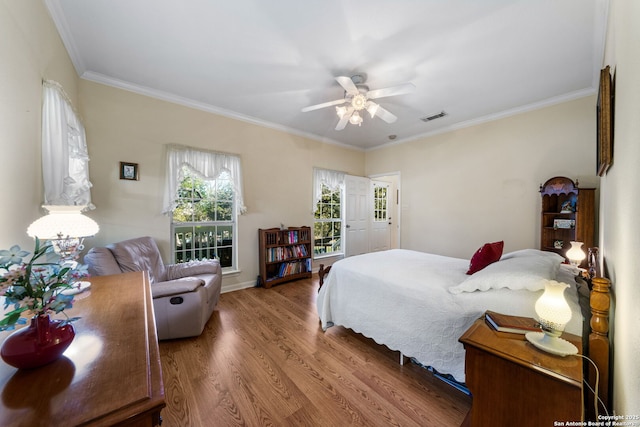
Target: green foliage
x=328, y=224
x=203, y=219
x=201, y=200
x=329, y=204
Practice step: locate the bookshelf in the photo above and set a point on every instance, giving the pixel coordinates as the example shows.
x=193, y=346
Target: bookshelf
x=568, y=214
x=285, y=255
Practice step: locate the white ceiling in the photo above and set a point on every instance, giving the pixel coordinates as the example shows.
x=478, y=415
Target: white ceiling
x=262, y=61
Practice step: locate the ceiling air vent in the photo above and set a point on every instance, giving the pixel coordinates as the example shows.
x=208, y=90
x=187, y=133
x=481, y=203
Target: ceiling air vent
x=434, y=116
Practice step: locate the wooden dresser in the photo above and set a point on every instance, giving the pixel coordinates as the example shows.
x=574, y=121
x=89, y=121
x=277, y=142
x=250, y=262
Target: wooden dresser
x=513, y=383
x=109, y=375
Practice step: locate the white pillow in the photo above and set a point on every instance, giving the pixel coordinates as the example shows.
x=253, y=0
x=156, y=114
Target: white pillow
x=523, y=253
x=521, y=270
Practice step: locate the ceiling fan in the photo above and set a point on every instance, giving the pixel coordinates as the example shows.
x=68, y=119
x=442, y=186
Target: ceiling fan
x=358, y=97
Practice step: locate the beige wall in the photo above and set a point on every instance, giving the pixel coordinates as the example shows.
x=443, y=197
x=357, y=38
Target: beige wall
x=31, y=50
x=620, y=207
x=277, y=168
x=479, y=184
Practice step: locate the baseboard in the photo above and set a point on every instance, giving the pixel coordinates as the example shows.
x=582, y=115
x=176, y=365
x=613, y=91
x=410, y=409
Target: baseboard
x=245, y=285
x=237, y=286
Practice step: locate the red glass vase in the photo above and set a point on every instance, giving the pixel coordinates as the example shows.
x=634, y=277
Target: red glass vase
x=42, y=342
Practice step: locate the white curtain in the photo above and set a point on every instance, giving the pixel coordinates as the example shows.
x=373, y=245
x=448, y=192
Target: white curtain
x=207, y=164
x=332, y=179
x=65, y=158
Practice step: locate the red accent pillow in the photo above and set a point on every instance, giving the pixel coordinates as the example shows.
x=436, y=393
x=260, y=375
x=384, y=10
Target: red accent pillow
x=487, y=254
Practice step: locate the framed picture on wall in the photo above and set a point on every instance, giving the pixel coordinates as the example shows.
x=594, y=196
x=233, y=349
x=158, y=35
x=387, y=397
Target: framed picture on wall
x=129, y=171
x=605, y=122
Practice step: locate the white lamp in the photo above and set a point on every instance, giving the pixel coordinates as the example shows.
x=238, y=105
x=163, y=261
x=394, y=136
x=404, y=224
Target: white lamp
x=66, y=227
x=355, y=119
x=576, y=254
x=359, y=102
x=553, y=313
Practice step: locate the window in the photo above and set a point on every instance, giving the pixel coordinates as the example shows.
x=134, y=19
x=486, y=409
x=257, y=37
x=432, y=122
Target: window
x=327, y=225
x=380, y=206
x=203, y=221
x=203, y=195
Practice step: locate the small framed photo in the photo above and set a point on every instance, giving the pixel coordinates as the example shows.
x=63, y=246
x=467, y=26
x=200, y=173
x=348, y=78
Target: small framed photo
x=566, y=224
x=129, y=171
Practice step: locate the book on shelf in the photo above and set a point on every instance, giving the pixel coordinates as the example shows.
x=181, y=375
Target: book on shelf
x=512, y=324
x=295, y=267
x=284, y=253
x=292, y=236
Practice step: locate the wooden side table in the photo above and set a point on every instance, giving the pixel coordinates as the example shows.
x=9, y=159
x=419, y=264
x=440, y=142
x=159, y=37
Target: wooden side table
x=514, y=383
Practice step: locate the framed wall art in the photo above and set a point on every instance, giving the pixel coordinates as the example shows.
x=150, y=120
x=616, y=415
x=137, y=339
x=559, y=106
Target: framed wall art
x=129, y=171
x=605, y=122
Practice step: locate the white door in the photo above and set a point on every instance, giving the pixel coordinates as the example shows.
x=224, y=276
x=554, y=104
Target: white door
x=381, y=216
x=357, y=215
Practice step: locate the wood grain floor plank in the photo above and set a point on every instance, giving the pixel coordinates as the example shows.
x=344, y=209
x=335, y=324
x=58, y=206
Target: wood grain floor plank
x=282, y=340
x=263, y=359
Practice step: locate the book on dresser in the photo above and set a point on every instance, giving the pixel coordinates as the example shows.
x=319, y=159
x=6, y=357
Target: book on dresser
x=285, y=255
x=511, y=324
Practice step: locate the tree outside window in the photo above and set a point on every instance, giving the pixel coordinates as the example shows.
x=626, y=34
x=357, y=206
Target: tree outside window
x=203, y=222
x=328, y=223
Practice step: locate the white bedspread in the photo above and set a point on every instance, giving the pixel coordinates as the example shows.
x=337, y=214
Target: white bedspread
x=400, y=298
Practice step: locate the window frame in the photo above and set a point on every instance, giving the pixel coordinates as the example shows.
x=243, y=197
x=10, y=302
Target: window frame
x=379, y=212
x=232, y=222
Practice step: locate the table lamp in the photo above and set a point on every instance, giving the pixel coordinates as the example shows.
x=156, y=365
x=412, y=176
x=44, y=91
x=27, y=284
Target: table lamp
x=66, y=227
x=575, y=254
x=553, y=314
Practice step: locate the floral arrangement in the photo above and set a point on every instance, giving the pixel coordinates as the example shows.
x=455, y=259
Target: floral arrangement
x=36, y=286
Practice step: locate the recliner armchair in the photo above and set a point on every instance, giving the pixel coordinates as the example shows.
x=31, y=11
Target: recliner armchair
x=184, y=295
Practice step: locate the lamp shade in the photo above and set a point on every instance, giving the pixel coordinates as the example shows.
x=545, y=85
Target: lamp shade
x=355, y=119
x=553, y=311
x=63, y=221
x=575, y=253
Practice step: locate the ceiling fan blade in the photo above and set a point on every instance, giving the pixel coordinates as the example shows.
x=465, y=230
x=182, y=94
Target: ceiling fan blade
x=385, y=115
x=345, y=119
x=391, y=91
x=323, y=105
x=348, y=85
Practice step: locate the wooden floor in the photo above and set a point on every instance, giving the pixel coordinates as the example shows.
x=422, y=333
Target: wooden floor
x=264, y=360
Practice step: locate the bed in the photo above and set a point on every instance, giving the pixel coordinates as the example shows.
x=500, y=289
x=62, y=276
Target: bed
x=420, y=304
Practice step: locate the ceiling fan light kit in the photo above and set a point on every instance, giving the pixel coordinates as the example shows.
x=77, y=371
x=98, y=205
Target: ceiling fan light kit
x=357, y=98
x=355, y=119
x=359, y=101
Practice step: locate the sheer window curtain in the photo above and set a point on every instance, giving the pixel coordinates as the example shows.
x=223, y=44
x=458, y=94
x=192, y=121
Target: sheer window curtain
x=65, y=158
x=207, y=164
x=332, y=179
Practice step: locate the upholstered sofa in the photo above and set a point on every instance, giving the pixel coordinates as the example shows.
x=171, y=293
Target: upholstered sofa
x=184, y=294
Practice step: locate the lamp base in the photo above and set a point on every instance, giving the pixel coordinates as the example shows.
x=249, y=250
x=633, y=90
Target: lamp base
x=553, y=345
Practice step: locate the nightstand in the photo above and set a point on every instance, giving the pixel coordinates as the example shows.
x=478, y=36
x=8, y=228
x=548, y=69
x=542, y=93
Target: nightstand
x=514, y=383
